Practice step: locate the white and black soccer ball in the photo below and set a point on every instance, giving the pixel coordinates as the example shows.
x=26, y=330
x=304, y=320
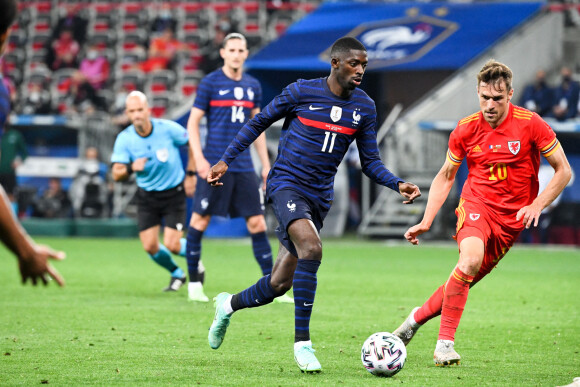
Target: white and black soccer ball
x=383, y=354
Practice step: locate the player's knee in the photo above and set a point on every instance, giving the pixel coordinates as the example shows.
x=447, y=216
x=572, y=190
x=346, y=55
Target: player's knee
x=469, y=264
x=151, y=248
x=199, y=222
x=256, y=224
x=310, y=250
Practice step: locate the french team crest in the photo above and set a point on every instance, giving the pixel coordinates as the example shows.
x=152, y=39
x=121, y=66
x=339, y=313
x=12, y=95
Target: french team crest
x=474, y=217
x=335, y=113
x=238, y=92
x=162, y=155
x=250, y=93
x=514, y=146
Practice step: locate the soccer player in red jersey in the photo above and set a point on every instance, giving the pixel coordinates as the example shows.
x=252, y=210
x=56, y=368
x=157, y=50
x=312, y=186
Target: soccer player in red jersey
x=502, y=144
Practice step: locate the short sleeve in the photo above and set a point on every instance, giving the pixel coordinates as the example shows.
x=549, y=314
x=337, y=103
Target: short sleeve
x=120, y=151
x=543, y=136
x=178, y=133
x=456, y=150
x=203, y=96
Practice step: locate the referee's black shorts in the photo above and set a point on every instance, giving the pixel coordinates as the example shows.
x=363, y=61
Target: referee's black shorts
x=153, y=206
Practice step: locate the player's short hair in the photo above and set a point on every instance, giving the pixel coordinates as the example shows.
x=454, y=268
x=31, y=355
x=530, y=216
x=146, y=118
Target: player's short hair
x=345, y=44
x=234, y=35
x=494, y=72
x=139, y=94
x=8, y=15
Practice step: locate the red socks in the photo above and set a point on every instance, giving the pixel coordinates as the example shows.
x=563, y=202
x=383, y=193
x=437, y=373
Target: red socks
x=448, y=301
x=454, y=300
x=431, y=308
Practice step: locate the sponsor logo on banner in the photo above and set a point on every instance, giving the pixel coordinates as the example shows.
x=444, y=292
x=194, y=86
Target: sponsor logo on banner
x=162, y=154
x=474, y=217
x=238, y=92
x=394, y=41
x=336, y=113
x=514, y=146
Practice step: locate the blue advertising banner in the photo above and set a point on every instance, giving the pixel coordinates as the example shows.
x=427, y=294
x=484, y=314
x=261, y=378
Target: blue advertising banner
x=398, y=36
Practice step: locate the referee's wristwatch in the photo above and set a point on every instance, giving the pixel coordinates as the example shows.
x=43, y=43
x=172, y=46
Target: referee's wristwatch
x=190, y=173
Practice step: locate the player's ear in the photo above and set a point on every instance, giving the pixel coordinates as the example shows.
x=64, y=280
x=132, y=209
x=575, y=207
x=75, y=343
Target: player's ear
x=222, y=52
x=334, y=63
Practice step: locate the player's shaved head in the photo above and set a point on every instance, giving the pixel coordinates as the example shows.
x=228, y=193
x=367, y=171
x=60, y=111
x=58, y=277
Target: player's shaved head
x=344, y=45
x=137, y=94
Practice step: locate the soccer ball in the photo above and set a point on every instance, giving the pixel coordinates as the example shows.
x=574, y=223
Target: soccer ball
x=383, y=354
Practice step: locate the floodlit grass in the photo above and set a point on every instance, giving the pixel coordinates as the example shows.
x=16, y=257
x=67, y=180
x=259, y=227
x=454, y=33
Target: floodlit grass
x=112, y=324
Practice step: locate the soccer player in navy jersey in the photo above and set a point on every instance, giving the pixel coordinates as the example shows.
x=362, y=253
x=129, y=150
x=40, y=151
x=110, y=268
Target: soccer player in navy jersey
x=228, y=98
x=150, y=148
x=322, y=118
x=32, y=258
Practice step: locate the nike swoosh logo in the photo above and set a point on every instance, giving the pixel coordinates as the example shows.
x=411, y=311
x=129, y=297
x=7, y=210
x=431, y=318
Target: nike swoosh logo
x=305, y=304
x=315, y=107
x=223, y=92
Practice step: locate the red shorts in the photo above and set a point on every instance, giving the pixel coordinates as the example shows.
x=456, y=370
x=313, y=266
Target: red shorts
x=474, y=219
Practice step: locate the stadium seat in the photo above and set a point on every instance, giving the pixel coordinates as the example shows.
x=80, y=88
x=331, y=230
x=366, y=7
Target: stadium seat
x=17, y=39
x=160, y=81
x=133, y=39
x=133, y=80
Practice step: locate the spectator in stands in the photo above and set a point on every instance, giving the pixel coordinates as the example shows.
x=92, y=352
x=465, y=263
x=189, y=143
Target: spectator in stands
x=12, y=153
x=65, y=50
x=71, y=20
x=162, y=51
x=538, y=96
x=89, y=190
x=82, y=97
x=36, y=101
x=566, y=96
x=53, y=203
x=119, y=117
x=164, y=20
x=95, y=68
x=212, y=59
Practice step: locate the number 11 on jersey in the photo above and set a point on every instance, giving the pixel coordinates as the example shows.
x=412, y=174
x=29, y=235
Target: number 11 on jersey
x=326, y=136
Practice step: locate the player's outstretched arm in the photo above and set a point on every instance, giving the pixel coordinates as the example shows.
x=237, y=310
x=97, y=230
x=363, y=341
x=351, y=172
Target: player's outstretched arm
x=216, y=172
x=409, y=191
x=438, y=192
x=32, y=258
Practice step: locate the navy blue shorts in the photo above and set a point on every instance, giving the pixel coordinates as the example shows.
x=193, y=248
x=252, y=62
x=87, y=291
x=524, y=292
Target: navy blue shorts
x=240, y=196
x=289, y=205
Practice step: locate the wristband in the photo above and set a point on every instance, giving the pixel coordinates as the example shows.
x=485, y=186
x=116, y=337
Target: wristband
x=190, y=173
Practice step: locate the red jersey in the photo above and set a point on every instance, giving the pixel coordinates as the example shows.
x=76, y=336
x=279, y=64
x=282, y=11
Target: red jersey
x=503, y=162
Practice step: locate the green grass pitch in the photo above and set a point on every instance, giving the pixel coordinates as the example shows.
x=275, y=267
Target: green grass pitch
x=112, y=325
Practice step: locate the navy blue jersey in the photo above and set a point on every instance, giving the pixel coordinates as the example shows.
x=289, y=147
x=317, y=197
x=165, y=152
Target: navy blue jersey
x=4, y=105
x=318, y=129
x=228, y=105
